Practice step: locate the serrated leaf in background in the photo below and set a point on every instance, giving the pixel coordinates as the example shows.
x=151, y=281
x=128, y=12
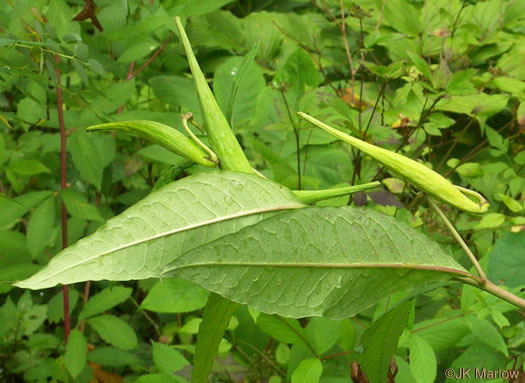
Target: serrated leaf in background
x=76, y=353
x=114, y=331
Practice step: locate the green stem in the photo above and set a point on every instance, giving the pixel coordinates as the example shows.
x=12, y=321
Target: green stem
x=497, y=291
x=185, y=118
x=458, y=238
x=504, y=294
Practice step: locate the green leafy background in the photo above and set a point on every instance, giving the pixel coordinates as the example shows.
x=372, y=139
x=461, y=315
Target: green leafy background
x=441, y=81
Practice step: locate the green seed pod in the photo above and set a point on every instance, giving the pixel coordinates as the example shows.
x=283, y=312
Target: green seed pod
x=163, y=135
x=414, y=172
x=222, y=139
x=309, y=196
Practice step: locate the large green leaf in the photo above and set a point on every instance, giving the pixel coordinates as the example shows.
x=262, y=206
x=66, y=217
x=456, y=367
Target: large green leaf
x=422, y=360
x=104, y=300
x=175, y=295
x=91, y=153
x=506, y=261
x=41, y=226
x=138, y=243
x=13, y=209
x=298, y=72
x=215, y=319
x=380, y=342
x=114, y=331
x=236, y=84
x=319, y=261
x=76, y=353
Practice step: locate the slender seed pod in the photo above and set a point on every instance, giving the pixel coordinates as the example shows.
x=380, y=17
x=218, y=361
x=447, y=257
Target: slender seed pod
x=309, y=196
x=414, y=172
x=163, y=135
x=222, y=139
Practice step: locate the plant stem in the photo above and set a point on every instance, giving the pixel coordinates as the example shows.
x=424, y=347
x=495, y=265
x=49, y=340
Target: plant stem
x=132, y=73
x=305, y=341
x=85, y=298
x=150, y=60
x=147, y=316
x=63, y=185
x=451, y=147
x=347, y=49
x=459, y=239
x=297, y=141
x=262, y=355
x=497, y=291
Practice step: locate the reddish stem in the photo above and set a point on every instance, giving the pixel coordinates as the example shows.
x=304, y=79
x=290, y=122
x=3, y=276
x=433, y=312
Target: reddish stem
x=128, y=77
x=63, y=185
x=87, y=286
x=150, y=60
x=132, y=74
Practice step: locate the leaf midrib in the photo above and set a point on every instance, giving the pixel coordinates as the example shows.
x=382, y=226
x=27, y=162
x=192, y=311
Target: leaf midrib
x=171, y=232
x=442, y=269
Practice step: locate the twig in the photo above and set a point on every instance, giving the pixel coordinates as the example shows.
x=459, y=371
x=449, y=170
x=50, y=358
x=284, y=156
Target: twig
x=478, y=148
x=380, y=20
x=147, y=316
x=439, y=322
x=297, y=141
x=310, y=52
x=381, y=94
x=458, y=238
x=347, y=49
x=150, y=60
x=422, y=117
x=128, y=77
x=307, y=344
x=328, y=11
x=85, y=297
x=451, y=148
x=335, y=355
x=457, y=19
x=262, y=355
x=63, y=185
x=132, y=73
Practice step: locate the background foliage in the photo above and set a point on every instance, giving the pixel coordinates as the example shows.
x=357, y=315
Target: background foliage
x=440, y=81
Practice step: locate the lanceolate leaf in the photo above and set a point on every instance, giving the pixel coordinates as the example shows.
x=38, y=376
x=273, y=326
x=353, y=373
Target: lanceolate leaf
x=216, y=317
x=330, y=262
x=76, y=353
x=138, y=243
x=380, y=342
